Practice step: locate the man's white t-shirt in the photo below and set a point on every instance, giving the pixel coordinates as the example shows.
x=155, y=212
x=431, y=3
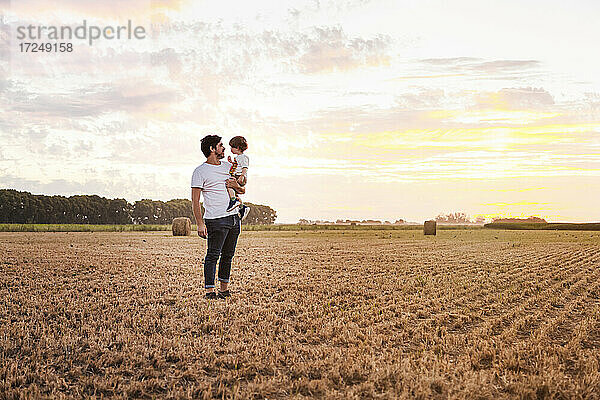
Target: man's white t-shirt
x=243, y=162
x=211, y=179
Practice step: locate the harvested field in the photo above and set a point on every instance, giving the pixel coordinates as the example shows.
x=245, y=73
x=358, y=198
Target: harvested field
x=335, y=314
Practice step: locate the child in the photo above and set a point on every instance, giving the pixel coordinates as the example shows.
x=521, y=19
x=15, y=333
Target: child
x=239, y=170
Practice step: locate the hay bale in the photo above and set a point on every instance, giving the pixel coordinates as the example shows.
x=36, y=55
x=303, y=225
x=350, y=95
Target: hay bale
x=182, y=226
x=429, y=227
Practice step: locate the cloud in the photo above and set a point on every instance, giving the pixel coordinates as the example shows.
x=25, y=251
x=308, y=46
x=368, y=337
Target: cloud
x=141, y=96
x=55, y=186
x=515, y=99
x=499, y=66
x=159, y=184
x=423, y=99
x=4, y=40
x=450, y=61
x=480, y=67
x=96, y=9
x=593, y=101
x=239, y=53
x=169, y=58
x=332, y=50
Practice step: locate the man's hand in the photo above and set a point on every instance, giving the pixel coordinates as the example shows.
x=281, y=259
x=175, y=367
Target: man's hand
x=232, y=183
x=202, y=231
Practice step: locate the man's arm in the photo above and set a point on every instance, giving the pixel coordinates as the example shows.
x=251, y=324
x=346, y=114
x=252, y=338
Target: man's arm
x=198, y=212
x=232, y=183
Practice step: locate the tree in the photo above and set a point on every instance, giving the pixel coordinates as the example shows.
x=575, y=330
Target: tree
x=26, y=208
x=453, y=218
x=144, y=212
x=260, y=215
x=532, y=219
x=119, y=212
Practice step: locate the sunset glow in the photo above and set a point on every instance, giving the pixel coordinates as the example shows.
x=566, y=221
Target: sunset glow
x=352, y=109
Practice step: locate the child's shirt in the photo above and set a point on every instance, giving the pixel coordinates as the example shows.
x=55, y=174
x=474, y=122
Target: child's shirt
x=242, y=162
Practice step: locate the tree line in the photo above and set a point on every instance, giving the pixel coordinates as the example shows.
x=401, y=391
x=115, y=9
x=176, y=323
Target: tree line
x=26, y=208
x=458, y=218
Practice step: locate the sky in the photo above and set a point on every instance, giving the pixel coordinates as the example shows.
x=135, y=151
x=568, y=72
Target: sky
x=353, y=109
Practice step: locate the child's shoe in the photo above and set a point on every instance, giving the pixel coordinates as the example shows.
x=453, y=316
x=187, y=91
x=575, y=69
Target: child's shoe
x=244, y=211
x=233, y=203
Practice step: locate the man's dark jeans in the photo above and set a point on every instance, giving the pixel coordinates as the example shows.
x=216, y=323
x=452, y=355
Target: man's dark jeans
x=222, y=237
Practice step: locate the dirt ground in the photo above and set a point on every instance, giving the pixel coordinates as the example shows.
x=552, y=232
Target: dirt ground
x=339, y=314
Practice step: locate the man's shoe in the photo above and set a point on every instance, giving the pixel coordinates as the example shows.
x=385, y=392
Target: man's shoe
x=210, y=296
x=233, y=203
x=224, y=295
x=244, y=211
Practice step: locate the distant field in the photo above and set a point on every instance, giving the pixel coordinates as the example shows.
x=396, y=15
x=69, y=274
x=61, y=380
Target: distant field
x=292, y=227
x=352, y=314
x=548, y=226
x=296, y=227
x=80, y=228
x=276, y=227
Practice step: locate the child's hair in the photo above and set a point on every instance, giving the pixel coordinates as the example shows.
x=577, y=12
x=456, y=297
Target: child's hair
x=239, y=142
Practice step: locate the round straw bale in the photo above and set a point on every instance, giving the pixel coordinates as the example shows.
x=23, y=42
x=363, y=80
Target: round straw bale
x=429, y=227
x=182, y=226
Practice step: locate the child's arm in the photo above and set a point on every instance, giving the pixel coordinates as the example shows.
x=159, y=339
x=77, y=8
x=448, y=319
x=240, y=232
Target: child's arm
x=243, y=178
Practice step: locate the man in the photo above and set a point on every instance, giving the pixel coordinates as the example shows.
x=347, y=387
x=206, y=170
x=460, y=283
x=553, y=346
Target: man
x=211, y=179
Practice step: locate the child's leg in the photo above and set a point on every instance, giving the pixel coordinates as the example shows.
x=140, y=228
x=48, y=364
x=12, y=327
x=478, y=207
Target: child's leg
x=231, y=193
x=233, y=200
x=237, y=178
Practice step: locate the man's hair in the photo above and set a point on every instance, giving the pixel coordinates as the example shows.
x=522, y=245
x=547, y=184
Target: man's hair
x=209, y=141
x=239, y=142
